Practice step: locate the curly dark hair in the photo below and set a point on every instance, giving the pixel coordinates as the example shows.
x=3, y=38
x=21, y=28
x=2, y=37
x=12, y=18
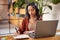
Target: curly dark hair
x=35, y=7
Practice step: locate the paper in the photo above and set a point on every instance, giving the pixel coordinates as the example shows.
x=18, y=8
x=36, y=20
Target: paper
x=58, y=33
x=22, y=36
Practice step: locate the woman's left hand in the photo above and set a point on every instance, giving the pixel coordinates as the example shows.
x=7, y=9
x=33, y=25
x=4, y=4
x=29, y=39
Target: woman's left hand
x=27, y=32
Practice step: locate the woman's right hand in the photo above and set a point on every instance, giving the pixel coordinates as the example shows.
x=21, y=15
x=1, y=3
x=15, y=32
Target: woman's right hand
x=16, y=34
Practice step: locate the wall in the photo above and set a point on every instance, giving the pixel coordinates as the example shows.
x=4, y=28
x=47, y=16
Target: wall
x=4, y=9
x=53, y=14
x=56, y=11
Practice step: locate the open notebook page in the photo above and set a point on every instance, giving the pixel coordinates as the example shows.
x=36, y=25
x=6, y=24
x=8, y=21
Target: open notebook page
x=22, y=36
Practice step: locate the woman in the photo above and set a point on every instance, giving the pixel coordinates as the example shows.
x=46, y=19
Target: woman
x=29, y=21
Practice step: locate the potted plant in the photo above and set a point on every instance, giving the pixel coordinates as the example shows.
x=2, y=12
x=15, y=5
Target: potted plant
x=14, y=4
x=39, y=3
x=19, y=4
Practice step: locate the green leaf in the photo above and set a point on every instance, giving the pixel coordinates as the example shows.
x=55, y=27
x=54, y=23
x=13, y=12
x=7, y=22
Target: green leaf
x=20, y=3
x=14, y=5
x=40, y=10
x=55, y=1
x=31, y=0
x=50, y=7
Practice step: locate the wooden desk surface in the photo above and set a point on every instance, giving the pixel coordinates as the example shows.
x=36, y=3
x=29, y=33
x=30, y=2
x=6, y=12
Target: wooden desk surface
x=46, y=38
x=56, y=37
x=6, y=38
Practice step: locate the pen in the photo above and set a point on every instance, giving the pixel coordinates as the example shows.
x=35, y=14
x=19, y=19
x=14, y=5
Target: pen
x=16, y=29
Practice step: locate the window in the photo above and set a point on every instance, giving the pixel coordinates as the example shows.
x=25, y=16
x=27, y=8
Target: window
x=5, y=26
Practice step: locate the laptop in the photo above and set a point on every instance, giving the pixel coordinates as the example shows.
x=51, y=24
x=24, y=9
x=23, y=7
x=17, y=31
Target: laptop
x=44, y=29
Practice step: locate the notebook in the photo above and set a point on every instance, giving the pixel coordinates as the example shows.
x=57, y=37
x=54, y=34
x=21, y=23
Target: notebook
x=21, y=36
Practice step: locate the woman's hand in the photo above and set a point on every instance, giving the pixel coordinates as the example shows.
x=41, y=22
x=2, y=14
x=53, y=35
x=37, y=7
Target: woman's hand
x=16, y=34
x=27, y=32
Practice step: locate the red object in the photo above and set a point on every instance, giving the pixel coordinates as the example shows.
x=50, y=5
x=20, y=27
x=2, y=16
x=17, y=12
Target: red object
x=24, y=26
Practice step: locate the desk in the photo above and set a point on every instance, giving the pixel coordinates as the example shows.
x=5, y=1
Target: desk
x=6, y=38
x=46, y=38
x=56, y=37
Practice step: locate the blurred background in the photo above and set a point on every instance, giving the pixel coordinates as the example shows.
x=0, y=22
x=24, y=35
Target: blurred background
x=12, y=12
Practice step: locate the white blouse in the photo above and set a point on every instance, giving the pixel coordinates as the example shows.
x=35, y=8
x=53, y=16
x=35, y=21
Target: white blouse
x=32, y=25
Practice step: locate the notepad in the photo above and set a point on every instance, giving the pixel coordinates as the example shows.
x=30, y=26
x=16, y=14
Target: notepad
x=58, y=33
x=22, y=36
